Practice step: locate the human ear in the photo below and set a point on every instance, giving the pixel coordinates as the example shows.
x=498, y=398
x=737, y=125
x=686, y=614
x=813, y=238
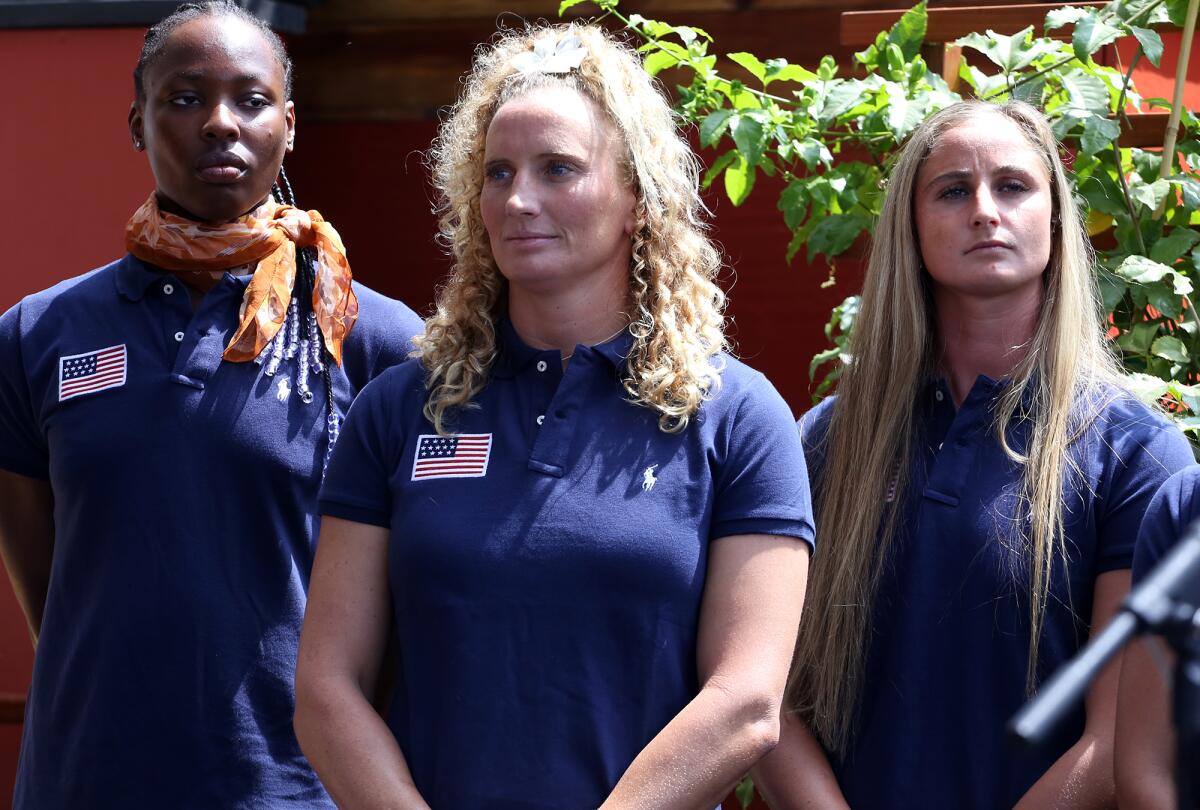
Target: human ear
x=136, y=128
x=289, y=116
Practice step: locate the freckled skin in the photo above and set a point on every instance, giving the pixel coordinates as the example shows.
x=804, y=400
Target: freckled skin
x=558, y=209
x=215, y=121
x=984, y=183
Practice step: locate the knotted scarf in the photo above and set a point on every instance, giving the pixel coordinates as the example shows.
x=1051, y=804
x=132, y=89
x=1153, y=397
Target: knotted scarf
x=268, y=235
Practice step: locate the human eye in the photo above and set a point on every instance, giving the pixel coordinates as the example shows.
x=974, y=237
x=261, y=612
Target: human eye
x=257, y=102
x=1014, y=186
x=496, y=173
x=954, y=192
x=184, y=100
x=559, y=168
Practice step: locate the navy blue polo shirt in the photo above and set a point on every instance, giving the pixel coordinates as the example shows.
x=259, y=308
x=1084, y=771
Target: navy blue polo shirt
x=1173, y=510
x=949, y=635
x=184, y=510
x=547, y=564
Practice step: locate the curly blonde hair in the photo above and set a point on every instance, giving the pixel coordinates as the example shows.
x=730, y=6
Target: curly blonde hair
x=676, y=308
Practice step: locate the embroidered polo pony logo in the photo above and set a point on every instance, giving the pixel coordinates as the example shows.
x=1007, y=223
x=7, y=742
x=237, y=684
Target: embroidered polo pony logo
x=648, y=479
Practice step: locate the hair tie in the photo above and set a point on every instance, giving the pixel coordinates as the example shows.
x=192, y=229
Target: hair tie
x=551, y=56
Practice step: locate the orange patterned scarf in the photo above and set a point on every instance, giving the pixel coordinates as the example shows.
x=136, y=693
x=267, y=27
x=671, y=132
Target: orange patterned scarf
x=268, y=235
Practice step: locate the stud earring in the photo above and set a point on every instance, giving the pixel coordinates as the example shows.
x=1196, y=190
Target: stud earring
x=137, y=144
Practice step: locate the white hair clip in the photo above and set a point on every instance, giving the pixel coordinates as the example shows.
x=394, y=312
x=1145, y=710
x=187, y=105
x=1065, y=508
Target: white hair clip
x=548, y=56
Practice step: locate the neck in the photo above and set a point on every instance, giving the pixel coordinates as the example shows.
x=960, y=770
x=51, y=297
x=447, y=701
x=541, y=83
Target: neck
x=567, y=318
x=988, y=336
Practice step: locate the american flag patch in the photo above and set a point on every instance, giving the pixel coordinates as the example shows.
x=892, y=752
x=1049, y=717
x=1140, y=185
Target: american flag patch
x=462, y=456
x=87, y=373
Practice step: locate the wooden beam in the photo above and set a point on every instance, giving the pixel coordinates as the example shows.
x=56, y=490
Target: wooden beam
x=1146, y=130
x=859, y=28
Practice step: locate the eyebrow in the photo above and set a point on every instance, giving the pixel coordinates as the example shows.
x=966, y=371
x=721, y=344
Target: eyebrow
x=962, y=174
x=198, y=75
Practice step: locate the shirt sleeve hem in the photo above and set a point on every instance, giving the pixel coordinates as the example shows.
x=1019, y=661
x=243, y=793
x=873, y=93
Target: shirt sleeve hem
x=25, y=468
x=357, y=514
x=799, y=529
x=1115, y=563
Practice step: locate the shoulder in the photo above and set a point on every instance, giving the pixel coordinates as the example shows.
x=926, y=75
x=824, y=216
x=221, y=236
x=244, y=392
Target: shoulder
x=379, y=314
x=87, y=291
x=1127, y=428
x=742, y=391
x=814, y=424
x=395, y=387
x=1174, y=508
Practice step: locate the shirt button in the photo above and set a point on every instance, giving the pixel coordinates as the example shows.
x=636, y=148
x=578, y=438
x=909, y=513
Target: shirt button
x=179, y=337
x=541, y=418
x=541, y=366
x=168, y=288
x=939, y=396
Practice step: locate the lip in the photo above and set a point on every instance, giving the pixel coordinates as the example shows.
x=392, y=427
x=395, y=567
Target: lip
x=220, y=167
x=528, y=237
x=988, y=244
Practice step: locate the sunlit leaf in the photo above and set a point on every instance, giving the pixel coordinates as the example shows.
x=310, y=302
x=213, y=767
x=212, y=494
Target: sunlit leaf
x=658, y=61
x=739, y=180
x=566, y=4
x=909, y=32
x=1170, y=348
x=1057, y=18
x=713, y=125
x=835, y=234
x=1098, y=133
x=1091, y=34
x=1170, y=248
x=1142, y=270
x=750, y=62
x=1085, y=92
x=719, y=166
x=750, y=134
x=778, y=70
x=1146, y=388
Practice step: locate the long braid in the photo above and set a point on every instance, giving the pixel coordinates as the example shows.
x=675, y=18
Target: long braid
x=300, y=337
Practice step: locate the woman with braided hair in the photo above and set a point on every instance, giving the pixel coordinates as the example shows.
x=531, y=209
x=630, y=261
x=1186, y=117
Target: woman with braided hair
x=164, y=425
x=584, y=518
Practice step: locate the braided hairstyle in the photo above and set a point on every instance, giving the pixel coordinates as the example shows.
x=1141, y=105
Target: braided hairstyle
x=299, y=339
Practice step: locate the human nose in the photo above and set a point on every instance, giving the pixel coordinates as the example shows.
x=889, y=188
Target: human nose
x=221, y=124
x=522, y=197
x=986, y=211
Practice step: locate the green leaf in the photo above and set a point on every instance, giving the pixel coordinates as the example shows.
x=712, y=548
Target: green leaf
x=744, y=792
x=1149, y=194
x=1189, y=187
x=835, y=234
x=566, y=4
x=1146, y=388
x=1057, y=18
x=841, y=96
x=1170, y=248
x=793, y=202
x=1010, y=53
x=1151, y=42
x=812, y=152
x=909, y=31
x=713, y=125
x=1142, y=270
x=1112, y=289
x=739, y=180
x=1170, y=348
x=751, y=63
x=1138, y=339
x=778, y=70
x=1085, y=92
x=719, y=166
x=750, y=134
x=658, y=61
x=1165, y=300
x=1098, y=133
x=1091, y=34
x=1177, y=11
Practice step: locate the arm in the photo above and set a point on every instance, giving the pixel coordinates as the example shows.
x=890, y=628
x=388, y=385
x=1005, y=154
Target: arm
x=797, y=775
x=27, y=542
x=1145, y=751
x=1083, y=776
x=748, y=619
x=341, y=646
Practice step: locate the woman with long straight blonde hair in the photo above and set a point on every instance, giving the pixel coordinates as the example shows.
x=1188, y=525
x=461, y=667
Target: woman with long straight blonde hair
x=585, y=520
x=979, y=480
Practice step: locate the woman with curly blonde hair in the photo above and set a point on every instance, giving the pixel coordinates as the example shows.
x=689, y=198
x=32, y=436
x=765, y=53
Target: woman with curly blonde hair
x=585, y=521
x=979, y=481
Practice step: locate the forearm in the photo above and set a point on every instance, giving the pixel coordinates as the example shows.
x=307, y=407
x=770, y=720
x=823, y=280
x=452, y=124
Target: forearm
x=27, y=542
x=797, y=774
x=351, y=748
x=701, y=754
x=1080, y=778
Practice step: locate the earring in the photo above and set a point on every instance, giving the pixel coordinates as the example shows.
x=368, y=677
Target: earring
x=137, y=144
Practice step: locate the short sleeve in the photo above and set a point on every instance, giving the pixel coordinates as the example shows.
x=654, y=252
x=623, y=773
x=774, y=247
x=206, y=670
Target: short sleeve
x=1172, y=510
x=23, y=447
x=1146, y=451
x=357, y=484
x=761, y=485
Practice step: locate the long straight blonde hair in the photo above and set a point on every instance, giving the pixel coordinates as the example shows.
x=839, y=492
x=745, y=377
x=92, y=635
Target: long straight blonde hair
x=1057, y=389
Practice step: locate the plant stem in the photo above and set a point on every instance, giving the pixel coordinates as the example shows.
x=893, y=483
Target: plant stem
x=1137, y=225
x=1185, y=52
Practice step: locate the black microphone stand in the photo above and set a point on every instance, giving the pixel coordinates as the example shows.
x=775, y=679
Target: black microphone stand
x=1164, y=603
